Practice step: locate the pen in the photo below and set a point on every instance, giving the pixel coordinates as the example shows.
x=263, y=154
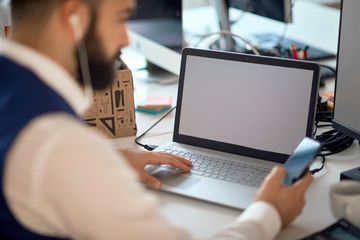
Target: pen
x=305, y=52
x=293, y=52
x=7, y=31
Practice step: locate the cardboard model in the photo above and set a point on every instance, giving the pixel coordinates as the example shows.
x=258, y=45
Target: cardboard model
x=112, y=112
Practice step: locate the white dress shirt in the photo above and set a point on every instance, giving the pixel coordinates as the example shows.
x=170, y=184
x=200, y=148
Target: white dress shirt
x=63, y=180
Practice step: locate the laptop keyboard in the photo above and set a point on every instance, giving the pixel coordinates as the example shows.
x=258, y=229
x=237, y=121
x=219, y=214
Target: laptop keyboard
x=222, y=169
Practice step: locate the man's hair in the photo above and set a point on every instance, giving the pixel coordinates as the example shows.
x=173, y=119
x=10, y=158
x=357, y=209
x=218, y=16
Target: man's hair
x=33, y=10
x=37, y=10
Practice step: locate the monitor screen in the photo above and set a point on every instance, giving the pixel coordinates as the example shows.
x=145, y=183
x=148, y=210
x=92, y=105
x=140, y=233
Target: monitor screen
x=279, y=10
x=155, y=30
x=347, y=90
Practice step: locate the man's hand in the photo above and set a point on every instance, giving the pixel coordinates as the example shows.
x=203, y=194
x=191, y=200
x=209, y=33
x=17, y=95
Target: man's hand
x=139, y=159
x=288, y=200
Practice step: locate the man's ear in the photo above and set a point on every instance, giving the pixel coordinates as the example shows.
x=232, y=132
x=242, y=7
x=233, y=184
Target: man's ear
x=75, y=16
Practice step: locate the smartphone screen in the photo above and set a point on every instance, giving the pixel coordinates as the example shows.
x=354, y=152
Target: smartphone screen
x=299, y=161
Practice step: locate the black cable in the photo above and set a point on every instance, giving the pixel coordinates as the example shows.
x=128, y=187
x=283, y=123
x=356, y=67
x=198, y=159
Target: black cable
x=151, y=147
x=323, y=125
x=333, y=142
x=316, y=170
x=324, y=116
x=338, y=147
x=328, y=67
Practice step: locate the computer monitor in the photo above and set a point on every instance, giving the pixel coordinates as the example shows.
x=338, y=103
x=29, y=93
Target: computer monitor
x=347, y=88
x=279, y=10
x=269, y=42
x=155, y=30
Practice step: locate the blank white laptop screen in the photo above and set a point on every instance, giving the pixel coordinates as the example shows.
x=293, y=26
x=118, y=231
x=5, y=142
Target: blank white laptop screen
x=257, y=106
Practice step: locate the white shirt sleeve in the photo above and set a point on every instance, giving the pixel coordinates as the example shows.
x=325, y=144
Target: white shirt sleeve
x=63, y=180
x=259, y=221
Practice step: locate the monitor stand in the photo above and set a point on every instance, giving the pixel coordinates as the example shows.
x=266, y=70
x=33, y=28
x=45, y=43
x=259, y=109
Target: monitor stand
x=154, y=74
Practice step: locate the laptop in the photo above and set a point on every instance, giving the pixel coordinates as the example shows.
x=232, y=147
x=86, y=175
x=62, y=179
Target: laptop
x=237, y=117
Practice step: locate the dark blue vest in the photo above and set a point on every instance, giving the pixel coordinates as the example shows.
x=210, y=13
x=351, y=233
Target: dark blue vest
x=23, y=96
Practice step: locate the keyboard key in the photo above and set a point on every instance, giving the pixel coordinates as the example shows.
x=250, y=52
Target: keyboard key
x=222, y=169
x=196, y=172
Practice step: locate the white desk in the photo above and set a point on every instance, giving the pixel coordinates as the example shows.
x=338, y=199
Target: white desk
x=203, y=219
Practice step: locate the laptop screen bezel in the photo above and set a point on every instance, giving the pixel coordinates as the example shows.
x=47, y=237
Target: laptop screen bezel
x=236, y=149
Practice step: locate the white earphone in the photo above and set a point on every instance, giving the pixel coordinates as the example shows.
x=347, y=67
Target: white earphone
x=75, y=23
x=84, y=64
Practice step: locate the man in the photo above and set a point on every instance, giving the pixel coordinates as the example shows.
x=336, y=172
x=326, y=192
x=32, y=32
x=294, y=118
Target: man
x=60, y=180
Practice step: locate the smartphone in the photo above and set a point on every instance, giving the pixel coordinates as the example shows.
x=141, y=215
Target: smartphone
x=299, y=161
x=342, y=229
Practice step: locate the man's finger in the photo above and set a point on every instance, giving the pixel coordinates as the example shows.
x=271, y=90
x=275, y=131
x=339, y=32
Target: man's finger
x=150, y=181
x=176, y=163
x=160, y=158
x=303, y=183
x=276, y=175
x=183, y=160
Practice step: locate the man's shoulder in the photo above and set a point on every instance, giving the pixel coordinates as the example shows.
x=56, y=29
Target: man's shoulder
x=10, y=68
x=62, y=129
x=15, y=77
x=57, y=122
x=56, y=132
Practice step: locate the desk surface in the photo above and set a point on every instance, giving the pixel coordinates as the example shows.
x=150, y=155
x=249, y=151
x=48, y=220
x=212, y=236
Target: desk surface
x=193, y=214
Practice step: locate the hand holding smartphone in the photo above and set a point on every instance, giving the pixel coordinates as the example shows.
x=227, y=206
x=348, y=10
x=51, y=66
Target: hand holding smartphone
x=299, y=161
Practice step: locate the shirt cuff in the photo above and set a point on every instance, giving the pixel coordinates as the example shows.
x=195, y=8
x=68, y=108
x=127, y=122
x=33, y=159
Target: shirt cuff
x=265, y=215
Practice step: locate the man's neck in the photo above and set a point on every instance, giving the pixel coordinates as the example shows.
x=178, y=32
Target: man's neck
x=47, y=43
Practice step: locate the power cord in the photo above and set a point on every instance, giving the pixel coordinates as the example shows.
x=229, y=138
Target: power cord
x=225, y=32
x=332, y=141
x=328, y=67
x=316, y=170
x=151, y=147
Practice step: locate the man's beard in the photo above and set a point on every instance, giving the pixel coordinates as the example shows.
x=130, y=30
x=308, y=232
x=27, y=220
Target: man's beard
x=101, y=69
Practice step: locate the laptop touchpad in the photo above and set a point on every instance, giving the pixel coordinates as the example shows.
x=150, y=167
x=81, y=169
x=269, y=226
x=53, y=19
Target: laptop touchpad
x=175, y=180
